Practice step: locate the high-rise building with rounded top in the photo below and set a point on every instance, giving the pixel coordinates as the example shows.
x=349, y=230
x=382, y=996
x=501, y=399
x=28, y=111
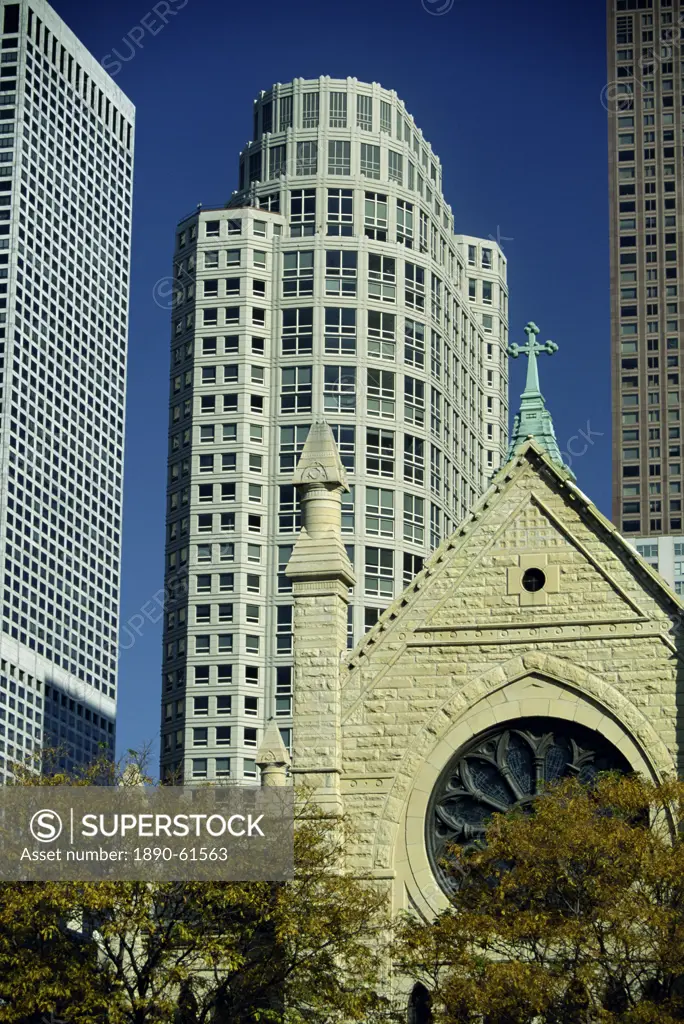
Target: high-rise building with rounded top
x=330, y=287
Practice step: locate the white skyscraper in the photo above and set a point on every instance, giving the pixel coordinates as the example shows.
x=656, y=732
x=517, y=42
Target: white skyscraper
x=331, y=286
x=66, y=152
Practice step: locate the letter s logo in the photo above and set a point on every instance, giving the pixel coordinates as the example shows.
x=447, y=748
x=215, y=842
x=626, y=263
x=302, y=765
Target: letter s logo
x=45, y=825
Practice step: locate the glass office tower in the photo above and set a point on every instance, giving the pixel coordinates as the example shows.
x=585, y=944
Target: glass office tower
x=66, y=154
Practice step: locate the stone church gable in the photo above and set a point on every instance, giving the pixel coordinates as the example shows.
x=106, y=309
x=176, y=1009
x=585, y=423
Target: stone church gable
x=468, y=648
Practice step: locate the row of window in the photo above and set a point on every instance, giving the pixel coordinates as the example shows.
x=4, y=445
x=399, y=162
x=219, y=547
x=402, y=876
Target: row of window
x=278, y=117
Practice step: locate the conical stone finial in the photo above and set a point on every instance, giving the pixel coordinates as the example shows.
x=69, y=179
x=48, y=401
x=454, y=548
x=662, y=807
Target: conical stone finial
x=534, y=420
x=320, y=479
x=272, y=757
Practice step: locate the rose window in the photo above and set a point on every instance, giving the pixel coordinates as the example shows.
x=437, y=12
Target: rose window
x=504, y=768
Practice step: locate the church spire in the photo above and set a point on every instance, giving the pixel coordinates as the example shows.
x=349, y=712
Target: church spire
x=534, y=420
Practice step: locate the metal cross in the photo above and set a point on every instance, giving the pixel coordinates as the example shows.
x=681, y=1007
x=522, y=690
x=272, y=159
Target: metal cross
x=532, y=349
x=533, y=346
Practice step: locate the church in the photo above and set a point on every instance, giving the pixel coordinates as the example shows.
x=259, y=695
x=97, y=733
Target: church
x=535, y=643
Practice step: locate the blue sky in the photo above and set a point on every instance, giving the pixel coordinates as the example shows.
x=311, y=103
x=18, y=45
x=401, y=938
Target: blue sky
x=509, y=95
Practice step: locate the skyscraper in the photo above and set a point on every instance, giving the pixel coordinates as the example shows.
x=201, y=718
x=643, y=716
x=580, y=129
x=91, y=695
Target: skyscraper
x=331, y=286
x=66, y=152
x=644, y=100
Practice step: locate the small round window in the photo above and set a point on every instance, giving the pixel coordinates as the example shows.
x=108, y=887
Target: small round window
x=533, y=580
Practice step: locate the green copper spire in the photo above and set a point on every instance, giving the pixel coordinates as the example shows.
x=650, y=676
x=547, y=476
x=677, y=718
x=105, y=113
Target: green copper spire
x=534, y=419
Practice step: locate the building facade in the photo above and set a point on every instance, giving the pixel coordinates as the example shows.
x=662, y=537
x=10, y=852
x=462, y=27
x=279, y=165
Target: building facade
x=535, y=644
x=66, y=153
x=644, y=100
x=331, y=287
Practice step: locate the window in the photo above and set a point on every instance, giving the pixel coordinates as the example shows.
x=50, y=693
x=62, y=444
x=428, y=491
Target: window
x=385, y=117
x=414, y=343
x=423, y=228
x=339, y=389
x=436, y=298
x=291, y=443
x=227, y=582
x=340, y=330
x=222, y=735
x=283, y=700
x=307, y=158
x=434, y=526
x=340, y=211
x=346, y=444
x=379, y=512
x=414, y=519
x=338, y=109
x=348, y=498
x=379, y=572
x=251, y=706
x=414, y=279
x=295, y=391
x=405, y=223
x=381, y=334
x=199, y=767
x=380, y=453
x=203, y=584
x=436, y=356
x=277, y=161
x=204, y=552
x=297, y=337
x=200, y=737
x=435, y=470
x=382, y=277
x=298, y=272
x=375, y=216
x=302, y=212
x=414, y=401
x=284, y=555
x=413, y=564
x=370, y=160
x=364, y=113
x=340, y=272
x=380, y=392
x=225, y=613
x=414, y=459
x=395, y=167
x=285, y=112
x=339, y=157
x=201, y=705
x=284, y=629
x=310, y=107
x=289, y=510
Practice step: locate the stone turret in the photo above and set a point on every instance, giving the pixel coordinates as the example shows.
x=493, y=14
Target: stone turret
x=272, y=757
x=321, y=575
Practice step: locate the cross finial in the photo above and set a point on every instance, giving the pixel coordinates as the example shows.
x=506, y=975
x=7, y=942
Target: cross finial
x=532, y=349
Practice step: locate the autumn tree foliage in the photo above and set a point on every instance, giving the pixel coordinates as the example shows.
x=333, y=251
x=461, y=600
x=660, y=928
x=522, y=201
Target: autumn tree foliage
x=303, y=952
x=572, y=913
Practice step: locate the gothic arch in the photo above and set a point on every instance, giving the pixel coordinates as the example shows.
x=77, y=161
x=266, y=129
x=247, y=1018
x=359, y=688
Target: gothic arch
x=534, y=684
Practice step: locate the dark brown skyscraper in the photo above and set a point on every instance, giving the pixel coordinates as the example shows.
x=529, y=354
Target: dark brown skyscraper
x=644, y=101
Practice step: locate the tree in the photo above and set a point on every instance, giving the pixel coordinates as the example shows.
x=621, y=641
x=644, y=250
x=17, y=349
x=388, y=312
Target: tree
x=194, y=952
x=572, y=913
